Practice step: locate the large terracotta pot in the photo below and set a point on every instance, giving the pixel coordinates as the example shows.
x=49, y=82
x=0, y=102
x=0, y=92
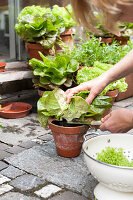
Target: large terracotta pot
x=2, y=66
x=129, y=92
x=32, y=49
x=68, y=139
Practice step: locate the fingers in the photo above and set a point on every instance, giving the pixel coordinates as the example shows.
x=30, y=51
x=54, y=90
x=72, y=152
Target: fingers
x=106, y=118
x=90, y=97
x=71, y=92
x=104, y=127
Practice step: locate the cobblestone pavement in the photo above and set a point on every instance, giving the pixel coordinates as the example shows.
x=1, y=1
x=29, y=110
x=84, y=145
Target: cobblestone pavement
x=30, y=168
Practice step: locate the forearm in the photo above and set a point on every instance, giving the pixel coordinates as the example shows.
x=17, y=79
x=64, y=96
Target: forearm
x=123, y=68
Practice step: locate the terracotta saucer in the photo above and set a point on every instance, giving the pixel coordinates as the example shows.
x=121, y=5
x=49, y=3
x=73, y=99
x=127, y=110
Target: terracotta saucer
x=14, y=110
x=2, y=66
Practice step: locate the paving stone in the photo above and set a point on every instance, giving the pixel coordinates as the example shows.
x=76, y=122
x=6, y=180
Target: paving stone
x=3, y=179
x=43, y=161
x=16, y=196
x=15, y=149
x=47, y=191
x=27, y=182
x=3, y=165
x=46, y=137
x=16, y=131
x=124, y=103
x=5, y=188
x=27, y=144
x=4, y=154
x=3, y=146
x=12, y=172
x=68, y=195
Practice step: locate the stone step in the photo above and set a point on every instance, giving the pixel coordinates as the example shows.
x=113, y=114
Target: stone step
x=16, y=77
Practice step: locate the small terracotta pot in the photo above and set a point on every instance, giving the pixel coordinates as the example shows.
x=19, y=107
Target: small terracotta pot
x=14, y=110
x=129, y=91
x=113, y=94
x=107, y=40
x=32, y=49
x=2, y=66
x=68, y=140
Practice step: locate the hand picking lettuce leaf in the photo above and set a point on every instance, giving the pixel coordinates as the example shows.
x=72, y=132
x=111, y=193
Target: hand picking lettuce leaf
x=53, y=104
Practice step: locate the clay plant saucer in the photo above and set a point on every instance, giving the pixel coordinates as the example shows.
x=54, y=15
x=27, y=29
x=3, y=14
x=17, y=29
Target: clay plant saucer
x=2, y=66
x=13, y=110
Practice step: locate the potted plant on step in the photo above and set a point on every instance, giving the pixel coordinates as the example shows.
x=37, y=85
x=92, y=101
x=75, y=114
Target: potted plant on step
x=69, y=122
x=54, y=71
x=41, y=27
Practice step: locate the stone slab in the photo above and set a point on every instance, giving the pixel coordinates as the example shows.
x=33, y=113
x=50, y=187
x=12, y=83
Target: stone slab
x=68, y=195
x=12, y=172
x=26, y=182
x=5, y=188
x=15, y=149
x=4, y=154
x=16, y=196
x=44, y=162
x=3, y=165
x=47, y=191
x=124, y=103
x=4, y=179
x=20, y=130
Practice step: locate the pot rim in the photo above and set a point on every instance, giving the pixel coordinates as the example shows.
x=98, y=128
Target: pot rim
x=73, y=127
x=100, y=162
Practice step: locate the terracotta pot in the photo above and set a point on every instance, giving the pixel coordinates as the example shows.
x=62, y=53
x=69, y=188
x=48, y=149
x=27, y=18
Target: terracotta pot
x=121, y=39
x=107, y=40
x=129, y=92
x=113, y=94
x=15, y=110
x=32, y=49
x=68, y=139
x=41, y=91
x=67, y=37
x=2, y=66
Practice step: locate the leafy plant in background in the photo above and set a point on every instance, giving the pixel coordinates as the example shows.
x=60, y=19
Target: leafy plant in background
x=43, y=25
x=89, y=73
x=54, y=70
x=92, y=49
x=53, y=104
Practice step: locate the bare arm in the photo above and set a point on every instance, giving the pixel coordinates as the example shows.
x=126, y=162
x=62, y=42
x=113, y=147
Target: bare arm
x=123, y=68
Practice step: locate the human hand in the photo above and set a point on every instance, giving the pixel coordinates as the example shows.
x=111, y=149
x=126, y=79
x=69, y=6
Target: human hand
x=118, y=121
x=95, y=86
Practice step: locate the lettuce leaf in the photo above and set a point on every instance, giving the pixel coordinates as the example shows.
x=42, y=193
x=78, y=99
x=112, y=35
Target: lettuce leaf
x=89, y=73
x=53, y=104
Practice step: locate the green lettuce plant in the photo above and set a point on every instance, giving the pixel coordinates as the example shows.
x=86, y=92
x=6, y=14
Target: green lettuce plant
x=53, y=105
x=54, y=70
x=43, y=25
x=89, y=73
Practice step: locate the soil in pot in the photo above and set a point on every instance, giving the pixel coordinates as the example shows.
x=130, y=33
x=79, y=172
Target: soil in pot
x=2, y=66
x=68, y=137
